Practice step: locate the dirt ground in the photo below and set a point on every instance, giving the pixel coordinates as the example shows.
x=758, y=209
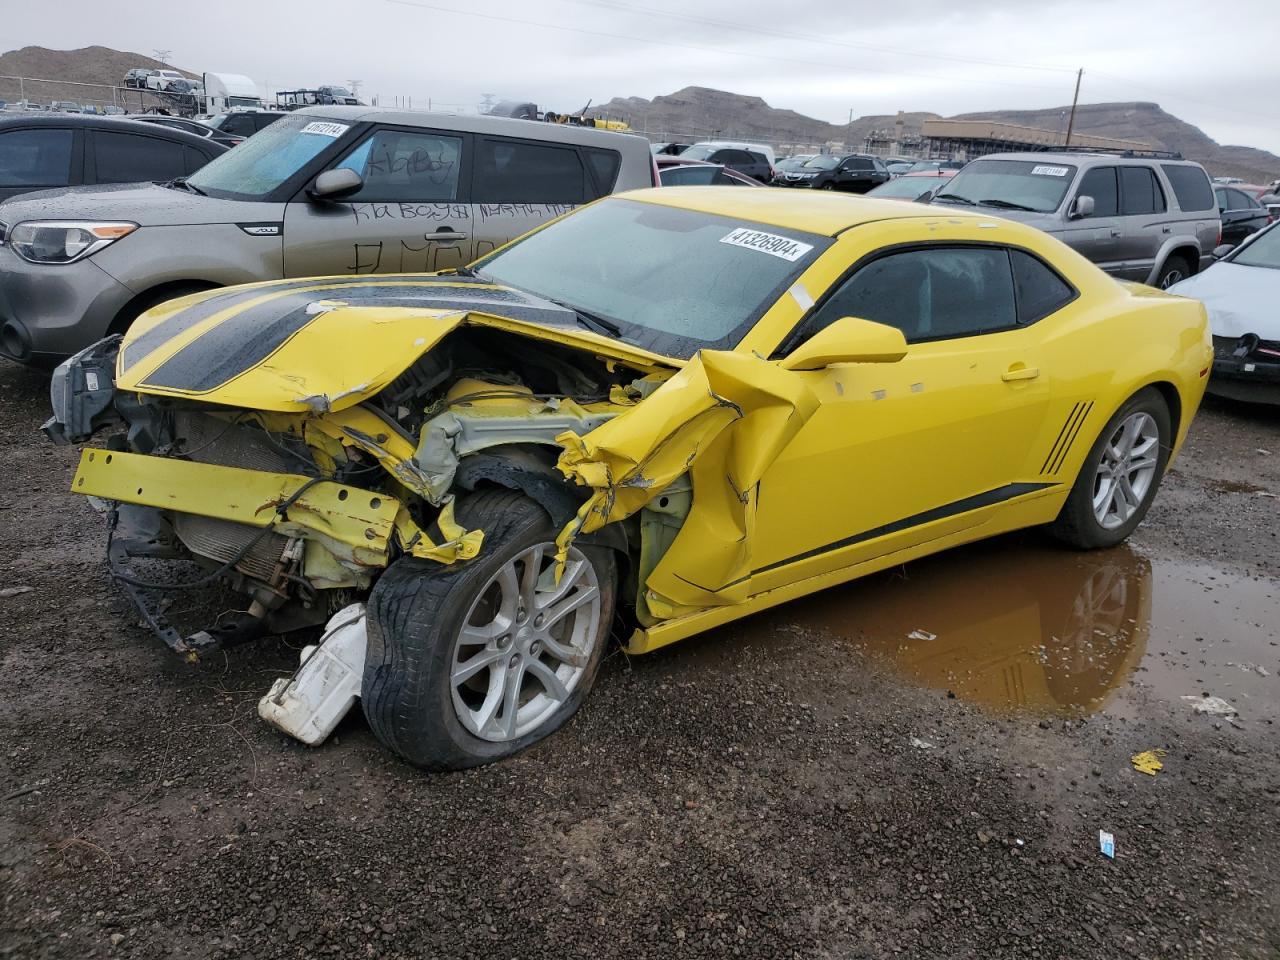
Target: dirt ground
x=915, y=765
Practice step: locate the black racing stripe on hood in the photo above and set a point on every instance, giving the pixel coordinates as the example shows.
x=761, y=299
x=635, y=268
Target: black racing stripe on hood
x=233, y=346
x=184, y=320
x=246, y=339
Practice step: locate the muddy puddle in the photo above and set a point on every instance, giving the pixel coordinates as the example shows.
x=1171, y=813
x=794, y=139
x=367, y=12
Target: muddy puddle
x=1016, y=625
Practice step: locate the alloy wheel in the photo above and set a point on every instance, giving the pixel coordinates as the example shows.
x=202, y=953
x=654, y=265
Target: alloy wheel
x=1127, y=470
x=525, y=644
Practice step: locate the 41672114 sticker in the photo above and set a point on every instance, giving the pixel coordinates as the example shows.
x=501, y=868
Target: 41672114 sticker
x=325, y=128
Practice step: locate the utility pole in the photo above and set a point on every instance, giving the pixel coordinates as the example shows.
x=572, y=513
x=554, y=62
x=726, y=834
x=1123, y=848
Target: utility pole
x=1071, y=121
x=162, y=56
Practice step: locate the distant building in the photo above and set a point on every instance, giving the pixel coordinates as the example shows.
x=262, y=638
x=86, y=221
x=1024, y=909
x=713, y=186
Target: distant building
x=966, y=139
x=894, y=143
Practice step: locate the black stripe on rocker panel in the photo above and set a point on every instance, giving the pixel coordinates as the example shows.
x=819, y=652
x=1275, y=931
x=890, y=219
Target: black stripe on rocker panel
x=956, y=507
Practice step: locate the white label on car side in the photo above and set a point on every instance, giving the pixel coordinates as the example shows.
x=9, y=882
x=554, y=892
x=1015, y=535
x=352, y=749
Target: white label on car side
x=1049, y=171
x=326, y=129
x=91, y=380
x=769, y=243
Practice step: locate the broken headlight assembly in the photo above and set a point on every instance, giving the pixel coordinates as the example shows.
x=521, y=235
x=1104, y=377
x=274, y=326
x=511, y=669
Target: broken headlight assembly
x=65, y=241
x=81, y=390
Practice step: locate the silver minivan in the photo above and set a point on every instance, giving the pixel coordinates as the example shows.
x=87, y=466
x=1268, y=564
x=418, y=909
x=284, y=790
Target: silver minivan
x=1152, y=219
x=325, y=190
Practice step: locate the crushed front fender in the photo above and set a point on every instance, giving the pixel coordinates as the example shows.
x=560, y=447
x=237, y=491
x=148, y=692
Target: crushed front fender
x=725, y=418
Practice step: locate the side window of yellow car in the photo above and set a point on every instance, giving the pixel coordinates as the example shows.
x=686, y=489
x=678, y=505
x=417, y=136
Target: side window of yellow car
x=943, y=292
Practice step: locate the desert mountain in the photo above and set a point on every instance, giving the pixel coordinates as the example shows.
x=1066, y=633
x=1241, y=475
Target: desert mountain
x=703, y=113
x=101, y=66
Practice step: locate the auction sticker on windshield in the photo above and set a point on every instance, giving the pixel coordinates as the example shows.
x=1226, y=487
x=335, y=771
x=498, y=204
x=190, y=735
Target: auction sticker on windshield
x=1043, y=171
x=325, y=129
x=769, y=243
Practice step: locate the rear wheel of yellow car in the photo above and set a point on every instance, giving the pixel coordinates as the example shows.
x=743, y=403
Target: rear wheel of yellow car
x=1120, y=476
x=472, y=662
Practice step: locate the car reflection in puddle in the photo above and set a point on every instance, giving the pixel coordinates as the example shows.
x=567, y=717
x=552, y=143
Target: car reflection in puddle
x=1016, y=625
x=1010, y=628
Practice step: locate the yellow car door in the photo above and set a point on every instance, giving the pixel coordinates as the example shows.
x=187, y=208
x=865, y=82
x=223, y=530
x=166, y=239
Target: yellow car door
x=906, y=452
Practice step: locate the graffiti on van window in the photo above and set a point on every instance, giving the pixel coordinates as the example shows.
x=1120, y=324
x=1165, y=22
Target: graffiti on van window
x=364, y=212
x=542, y=211
x=434, y=166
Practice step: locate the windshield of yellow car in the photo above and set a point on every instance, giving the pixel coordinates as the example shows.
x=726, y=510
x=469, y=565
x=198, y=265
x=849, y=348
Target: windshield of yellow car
x=670, y=280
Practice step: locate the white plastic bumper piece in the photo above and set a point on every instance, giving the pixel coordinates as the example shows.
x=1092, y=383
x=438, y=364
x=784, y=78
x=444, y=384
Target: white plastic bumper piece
x=310, y=704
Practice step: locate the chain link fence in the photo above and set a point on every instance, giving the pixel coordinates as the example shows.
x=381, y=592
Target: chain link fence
x=28, y=93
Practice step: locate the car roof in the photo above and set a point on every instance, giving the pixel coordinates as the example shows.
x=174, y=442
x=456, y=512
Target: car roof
x=818, y=212
x=1076, y=158
x=101, y=122
x=474, y=123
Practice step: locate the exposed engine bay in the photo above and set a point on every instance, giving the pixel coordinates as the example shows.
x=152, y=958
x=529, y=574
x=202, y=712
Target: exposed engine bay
x=481, y=408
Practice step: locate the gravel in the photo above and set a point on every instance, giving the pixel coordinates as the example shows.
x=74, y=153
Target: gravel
x=754, y=792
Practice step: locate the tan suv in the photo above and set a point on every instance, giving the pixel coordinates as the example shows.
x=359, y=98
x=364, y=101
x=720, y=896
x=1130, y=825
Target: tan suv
x=325, y=190
x=1150, y=218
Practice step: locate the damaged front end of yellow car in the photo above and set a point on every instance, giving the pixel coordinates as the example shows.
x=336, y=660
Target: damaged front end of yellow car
x=303, y=441
x=295, y=438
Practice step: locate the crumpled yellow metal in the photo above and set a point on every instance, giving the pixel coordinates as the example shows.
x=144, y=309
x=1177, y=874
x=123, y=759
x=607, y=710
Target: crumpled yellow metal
x=725, y=416
x=459, y=542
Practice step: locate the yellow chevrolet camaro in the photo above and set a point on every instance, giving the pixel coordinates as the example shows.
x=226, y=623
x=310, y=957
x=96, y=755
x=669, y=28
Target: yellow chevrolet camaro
x=670, y=408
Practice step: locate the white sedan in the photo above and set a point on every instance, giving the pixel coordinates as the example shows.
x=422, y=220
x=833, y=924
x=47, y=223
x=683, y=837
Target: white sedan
x=1242, y=294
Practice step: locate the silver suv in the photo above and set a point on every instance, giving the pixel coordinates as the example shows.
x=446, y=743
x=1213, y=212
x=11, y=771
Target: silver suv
x=1150, y=219
x=326, y=190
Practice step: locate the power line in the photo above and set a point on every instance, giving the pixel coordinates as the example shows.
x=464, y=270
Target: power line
x=809, y=38
x=698, y=47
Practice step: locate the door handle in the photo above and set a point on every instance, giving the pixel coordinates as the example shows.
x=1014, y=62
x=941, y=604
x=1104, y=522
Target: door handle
x=1115, y=233
x=1020, y=371
x=446, y=235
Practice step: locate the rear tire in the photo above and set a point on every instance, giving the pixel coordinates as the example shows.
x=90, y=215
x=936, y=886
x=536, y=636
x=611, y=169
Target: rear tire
x=453, y=648
x=1119, y=477
x=1175, y=268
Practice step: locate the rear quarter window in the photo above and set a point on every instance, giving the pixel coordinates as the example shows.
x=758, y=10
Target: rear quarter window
x=1190, y=185
x=604, y=165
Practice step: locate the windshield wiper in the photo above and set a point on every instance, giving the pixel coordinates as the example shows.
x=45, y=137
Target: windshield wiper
x=1007, y=205
x=592, y=322
x=182, y=182
x=954, y=196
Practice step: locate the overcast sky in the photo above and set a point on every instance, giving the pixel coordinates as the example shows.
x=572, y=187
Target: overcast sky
x=820, y=57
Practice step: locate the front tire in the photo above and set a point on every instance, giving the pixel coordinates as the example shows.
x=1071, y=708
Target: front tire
x=1175, y=269
x=1119, y=477
x=472, y=662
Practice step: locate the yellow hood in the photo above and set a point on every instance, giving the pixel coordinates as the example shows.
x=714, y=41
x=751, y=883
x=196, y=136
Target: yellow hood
x=328, y=343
